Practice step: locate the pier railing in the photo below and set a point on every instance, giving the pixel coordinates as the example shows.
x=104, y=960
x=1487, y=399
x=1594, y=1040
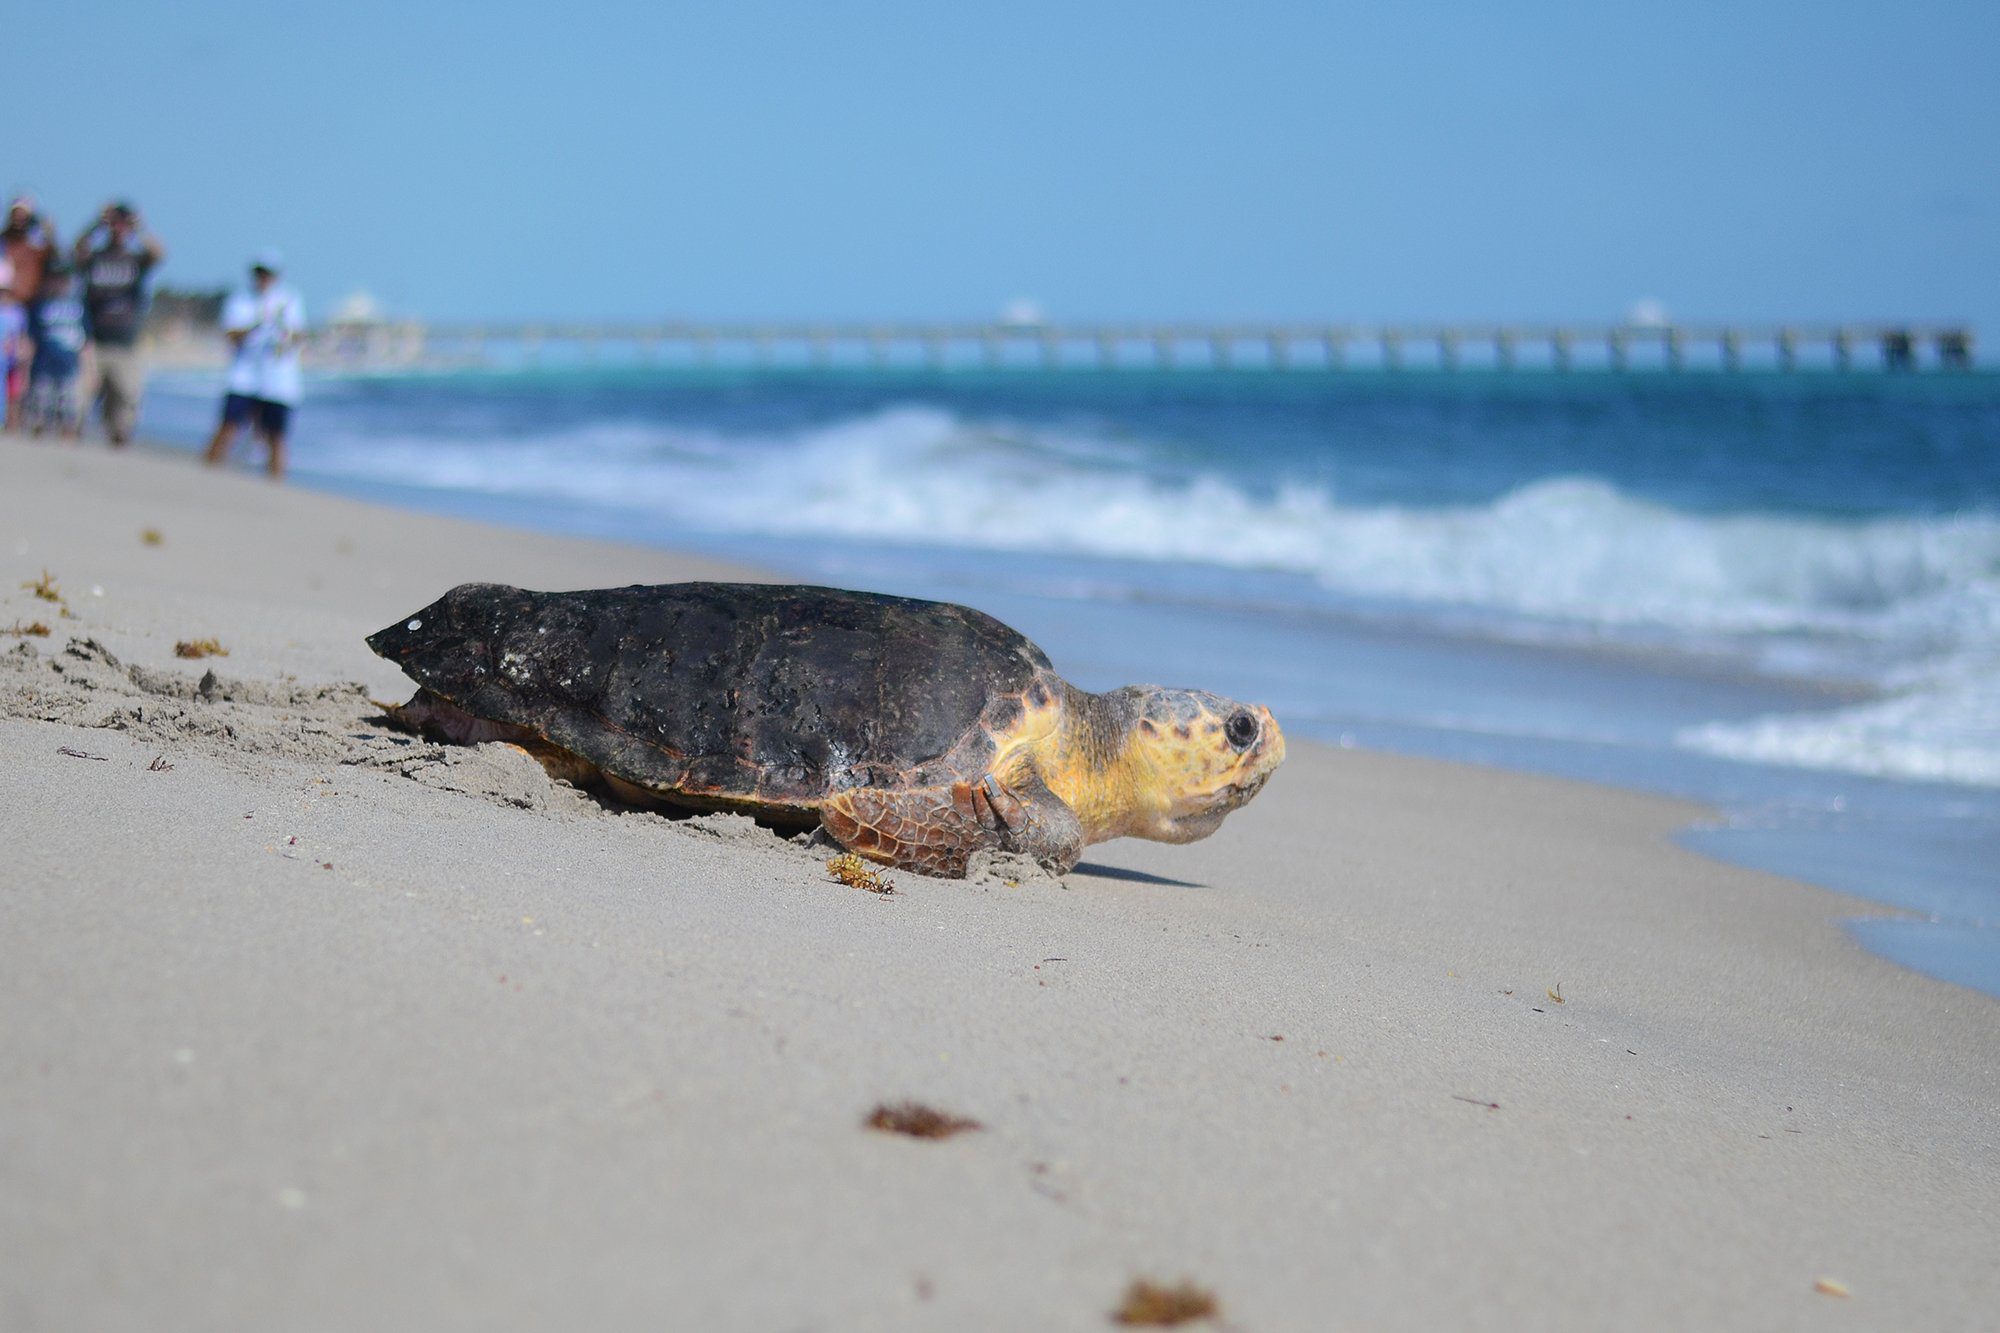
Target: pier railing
x=1889, y=346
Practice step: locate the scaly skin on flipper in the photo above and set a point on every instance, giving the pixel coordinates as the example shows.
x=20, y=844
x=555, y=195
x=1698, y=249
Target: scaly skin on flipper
x=916, y=732
x=936, y=830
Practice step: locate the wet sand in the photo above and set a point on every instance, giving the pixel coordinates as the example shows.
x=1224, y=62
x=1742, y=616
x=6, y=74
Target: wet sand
x=309, y=1025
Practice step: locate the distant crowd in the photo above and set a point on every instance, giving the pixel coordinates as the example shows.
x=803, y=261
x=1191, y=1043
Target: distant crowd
x=70, y=325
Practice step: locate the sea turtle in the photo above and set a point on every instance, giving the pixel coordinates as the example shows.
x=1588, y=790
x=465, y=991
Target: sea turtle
x=916, y=733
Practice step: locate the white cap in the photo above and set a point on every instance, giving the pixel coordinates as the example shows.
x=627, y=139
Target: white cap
x=268, y=259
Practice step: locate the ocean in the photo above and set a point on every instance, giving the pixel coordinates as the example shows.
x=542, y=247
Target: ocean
x=1776, y=594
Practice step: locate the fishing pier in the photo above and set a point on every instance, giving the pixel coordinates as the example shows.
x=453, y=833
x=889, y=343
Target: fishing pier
x=1165, y=346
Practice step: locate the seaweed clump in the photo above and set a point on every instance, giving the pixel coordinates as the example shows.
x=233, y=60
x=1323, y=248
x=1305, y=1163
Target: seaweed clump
x=1156, y=1305
x=918, y=1121
x=44, y=587
x=856, y=873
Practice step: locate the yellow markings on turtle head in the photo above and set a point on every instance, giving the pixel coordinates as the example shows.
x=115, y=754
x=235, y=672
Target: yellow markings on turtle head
x=1192, y=757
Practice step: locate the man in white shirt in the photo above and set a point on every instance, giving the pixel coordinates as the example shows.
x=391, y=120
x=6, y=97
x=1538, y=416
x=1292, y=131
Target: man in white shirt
x=266, y=326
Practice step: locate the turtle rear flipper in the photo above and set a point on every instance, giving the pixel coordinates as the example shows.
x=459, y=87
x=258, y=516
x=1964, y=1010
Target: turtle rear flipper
x=935, y=830
x=433, y=715
x=437, y=718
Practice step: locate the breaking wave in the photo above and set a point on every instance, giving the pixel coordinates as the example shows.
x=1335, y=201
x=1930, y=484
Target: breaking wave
x=1910, y=603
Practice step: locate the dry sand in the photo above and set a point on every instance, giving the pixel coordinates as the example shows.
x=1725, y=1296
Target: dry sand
x=322, y=1028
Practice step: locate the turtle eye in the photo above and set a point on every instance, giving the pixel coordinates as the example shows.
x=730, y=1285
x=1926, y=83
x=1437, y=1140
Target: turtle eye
x=1241, y=730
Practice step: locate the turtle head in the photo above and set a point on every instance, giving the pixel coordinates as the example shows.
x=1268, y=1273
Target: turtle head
x=1190, y=758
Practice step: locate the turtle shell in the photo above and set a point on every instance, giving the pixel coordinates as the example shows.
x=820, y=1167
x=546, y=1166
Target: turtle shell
x=732, y=694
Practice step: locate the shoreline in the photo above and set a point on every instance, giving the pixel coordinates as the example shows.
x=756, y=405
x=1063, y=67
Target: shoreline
x=1765, y=816
x=475, y=1051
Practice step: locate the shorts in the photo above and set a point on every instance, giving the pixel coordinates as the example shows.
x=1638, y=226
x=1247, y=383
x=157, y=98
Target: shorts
x=121, y=381
x=17, y=380
x=269, y=418
x=53, y=400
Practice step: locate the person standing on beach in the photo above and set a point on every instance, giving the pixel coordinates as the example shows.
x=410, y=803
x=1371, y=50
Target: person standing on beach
x=29, y=239
x=62, y=342
x=265, y=326
x=15, y=347
x=115, y=258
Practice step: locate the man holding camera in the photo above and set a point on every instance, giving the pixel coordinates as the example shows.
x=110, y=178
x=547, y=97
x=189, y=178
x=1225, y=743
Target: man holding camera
x=114, y=260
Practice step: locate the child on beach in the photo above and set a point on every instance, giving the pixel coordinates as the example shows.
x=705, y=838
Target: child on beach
x=15, y=347
x=61, y=337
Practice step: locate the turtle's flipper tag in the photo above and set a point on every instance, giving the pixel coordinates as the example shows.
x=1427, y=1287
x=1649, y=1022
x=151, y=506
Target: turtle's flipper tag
x=974, y=801
x=1006, y=808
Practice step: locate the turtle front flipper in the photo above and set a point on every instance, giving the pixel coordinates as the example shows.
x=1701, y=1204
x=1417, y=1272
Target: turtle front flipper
x=935, y=830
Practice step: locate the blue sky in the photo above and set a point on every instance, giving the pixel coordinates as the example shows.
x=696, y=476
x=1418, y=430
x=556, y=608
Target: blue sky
x=1741, y=160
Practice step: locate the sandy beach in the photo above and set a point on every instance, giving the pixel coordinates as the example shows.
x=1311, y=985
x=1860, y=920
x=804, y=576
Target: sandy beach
x=309, y=1025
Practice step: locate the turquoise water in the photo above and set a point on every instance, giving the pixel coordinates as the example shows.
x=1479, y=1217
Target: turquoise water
x=1777, y=594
